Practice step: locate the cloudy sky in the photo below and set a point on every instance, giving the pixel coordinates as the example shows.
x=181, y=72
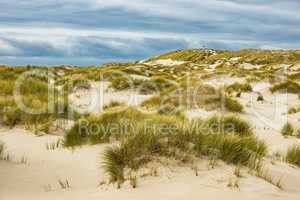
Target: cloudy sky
x=88, y=32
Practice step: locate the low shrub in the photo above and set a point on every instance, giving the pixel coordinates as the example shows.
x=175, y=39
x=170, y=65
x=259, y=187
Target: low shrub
x=293, y=155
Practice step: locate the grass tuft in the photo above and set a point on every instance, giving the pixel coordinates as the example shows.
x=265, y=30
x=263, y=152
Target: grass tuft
x=114, y=163
x=1, y=149
x=229, y=124
x=287, y=129
x=289, y=86
x=233, y=105
x=293, y=155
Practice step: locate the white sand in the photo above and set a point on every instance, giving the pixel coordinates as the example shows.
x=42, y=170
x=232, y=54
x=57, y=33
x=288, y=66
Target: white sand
x=166, y=62
x=93, y=100
x=38, y=179
x=260, y=86
x=250, y=66
x=201, y=113
x=223, y=80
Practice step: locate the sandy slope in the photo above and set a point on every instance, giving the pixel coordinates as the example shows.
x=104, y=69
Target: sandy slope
x=33, y=171
x=38, y=178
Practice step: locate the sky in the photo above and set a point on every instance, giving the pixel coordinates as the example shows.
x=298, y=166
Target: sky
x=90, y=32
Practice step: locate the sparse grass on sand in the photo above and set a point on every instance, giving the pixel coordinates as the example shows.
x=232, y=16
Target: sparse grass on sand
x=288, y=86
x=239, y=87
x=145, y=144
x=113, y=104
x=101, y=128
x=293, y=155
x=194, y=96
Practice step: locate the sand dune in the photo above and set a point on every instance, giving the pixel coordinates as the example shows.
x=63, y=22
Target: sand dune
x=38, y=177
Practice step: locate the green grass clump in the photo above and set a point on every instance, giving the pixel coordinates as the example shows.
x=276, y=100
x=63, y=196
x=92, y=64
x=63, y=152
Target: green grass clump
x=287, y=129
x=229, y=124
x=173, y=137
x=113, y=104
x=101, y=128
x=134, y=151
x=233, y=148
x=239, y=87
x=289, y=86
x=114, y=163
x=293, y=155
x=233, y=105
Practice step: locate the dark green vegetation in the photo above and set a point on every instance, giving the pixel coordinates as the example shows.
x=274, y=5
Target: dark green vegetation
x=287, y=129
x=293, y=155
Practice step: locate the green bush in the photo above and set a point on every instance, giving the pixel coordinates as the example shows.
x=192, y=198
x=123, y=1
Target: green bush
x=287, y=129
x=293, y=155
